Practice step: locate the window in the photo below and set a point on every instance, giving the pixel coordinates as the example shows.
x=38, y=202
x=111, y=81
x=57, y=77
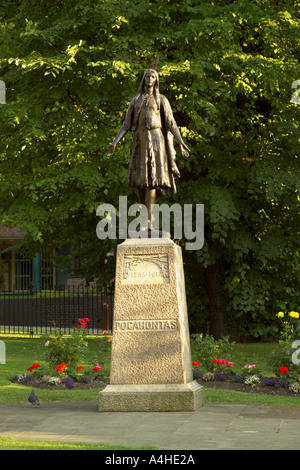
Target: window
x=23, y=272
x=26, y=271
x=47, y=269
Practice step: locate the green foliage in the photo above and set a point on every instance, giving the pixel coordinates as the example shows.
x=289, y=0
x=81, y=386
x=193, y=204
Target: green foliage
x=206, y=348
x=70, y=70
x=284, y=353
x=68, y=349
x=282, y=357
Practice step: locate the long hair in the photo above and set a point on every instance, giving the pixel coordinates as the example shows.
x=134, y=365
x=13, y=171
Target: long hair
x=156, y=87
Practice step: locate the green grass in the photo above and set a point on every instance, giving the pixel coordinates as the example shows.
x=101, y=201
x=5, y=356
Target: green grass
x=22, y=352
x=254, y=353
x=6, y=443
x=231, y=396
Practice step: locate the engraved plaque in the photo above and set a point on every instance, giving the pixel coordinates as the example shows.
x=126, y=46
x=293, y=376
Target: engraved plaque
x=146, y=269
x=147, y=325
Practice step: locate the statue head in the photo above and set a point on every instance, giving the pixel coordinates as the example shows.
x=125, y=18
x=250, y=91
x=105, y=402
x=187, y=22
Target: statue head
x=156, y=85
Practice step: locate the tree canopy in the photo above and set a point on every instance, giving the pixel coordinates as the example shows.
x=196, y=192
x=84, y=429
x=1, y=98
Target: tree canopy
x=227, y=67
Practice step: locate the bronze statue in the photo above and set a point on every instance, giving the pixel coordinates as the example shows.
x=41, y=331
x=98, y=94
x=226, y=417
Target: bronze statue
x=150, y=118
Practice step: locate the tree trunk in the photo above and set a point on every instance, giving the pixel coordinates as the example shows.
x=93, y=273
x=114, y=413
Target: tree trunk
x=214, y=280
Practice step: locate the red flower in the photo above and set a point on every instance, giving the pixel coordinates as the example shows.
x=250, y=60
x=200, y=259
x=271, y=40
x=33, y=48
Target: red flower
x=196, y=363
x=79, y=368
x=82, y=322
x=283, y=369
x=109, y=340
x=61, y=367
x=97, y=368
x=214, y=360
x=34, y=365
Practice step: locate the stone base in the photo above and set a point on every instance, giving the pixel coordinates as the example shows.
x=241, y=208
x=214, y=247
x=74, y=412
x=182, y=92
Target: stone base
x=151, y=367
x=152, y=397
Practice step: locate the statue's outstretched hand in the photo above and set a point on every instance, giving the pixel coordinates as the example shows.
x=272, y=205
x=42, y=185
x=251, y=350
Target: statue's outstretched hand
x=110, y=149
x=185, y=151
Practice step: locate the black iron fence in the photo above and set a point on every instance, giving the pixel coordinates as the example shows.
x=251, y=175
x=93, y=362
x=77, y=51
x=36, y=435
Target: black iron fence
x=26, y=313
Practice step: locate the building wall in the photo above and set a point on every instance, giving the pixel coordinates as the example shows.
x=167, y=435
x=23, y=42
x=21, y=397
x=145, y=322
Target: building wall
x=5, y=268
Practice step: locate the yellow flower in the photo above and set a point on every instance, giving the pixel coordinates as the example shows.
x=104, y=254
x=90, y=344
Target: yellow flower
x=294, y=314
x=280, y=314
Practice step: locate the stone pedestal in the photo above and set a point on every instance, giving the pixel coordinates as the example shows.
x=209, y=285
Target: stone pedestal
x=151, y=366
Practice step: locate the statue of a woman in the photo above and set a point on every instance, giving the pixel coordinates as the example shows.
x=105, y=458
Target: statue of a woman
x=150, y=119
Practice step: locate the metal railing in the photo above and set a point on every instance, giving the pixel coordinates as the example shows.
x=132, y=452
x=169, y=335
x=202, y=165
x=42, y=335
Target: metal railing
x=28, y=313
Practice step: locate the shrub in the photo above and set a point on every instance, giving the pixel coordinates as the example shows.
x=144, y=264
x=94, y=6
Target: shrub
x=69, y=349
x=206, y=348
x=281, y=358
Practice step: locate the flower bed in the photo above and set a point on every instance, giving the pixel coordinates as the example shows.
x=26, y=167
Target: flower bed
x=62, y=377
x=218, y=372
x=246, y=379
x=63, y=355
x=262, y=387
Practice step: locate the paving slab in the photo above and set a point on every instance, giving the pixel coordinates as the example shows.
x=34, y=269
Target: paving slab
x=215, y=426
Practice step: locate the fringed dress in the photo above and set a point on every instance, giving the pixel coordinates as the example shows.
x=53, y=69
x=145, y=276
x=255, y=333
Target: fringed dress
x=152, y=164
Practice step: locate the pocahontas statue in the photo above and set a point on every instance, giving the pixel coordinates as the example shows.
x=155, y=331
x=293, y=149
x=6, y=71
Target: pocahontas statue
x=150, y=118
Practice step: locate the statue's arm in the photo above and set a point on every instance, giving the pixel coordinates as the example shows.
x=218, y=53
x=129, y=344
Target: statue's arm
x=185, y=151
x=172, y=126
x=123, y=131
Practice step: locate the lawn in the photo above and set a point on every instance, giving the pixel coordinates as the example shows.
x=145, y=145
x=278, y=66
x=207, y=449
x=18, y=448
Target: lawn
x=23, y=352
x=254, y=353
x=7, y=443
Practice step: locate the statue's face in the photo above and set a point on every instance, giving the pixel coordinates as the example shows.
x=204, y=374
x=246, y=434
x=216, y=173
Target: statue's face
x=150, y=78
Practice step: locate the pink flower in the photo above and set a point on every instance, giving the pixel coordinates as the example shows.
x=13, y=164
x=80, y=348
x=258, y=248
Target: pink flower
x=222, y=361
x=230, y=364
x=249, y=366
x=47, y=343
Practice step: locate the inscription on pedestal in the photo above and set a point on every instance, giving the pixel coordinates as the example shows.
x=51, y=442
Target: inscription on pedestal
x=146, y=325
x=146, y=269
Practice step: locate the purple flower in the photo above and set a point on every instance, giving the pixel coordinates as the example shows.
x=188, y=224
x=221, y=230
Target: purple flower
x=274, y=382
x=85, y=379
x=69, y=383
x=221, y=376
x=271, y=382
